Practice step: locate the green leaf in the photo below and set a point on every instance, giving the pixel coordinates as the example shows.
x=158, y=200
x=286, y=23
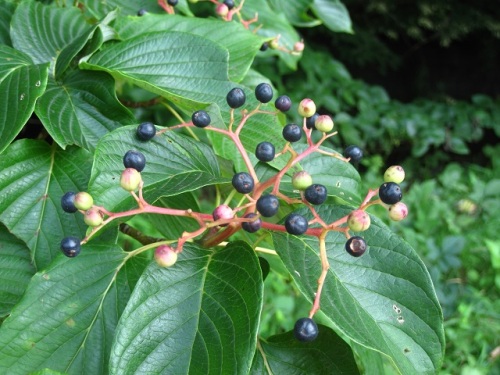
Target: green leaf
x=295, y=11
x=21, y=83
x=199, y=316
x=81, y=109
x=34, y=177
x=16, y=270
x=43, y=31
x=186, y=69
x=383, y=300
x=66, y=320
x=333, y=14
x=284, y=354
x=241, y=43
x=174, y=164
x=7, y=9
x=47, y=371
x=99, y=8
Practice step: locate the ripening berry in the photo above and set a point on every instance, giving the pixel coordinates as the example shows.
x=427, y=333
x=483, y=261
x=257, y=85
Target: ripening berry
x=390, y=193
x=283, y=103
x=396, y=174
x=274, y=44
x=324, y=123
x=130, y=179
x=146, y=131
x=165, y=256
x=358, y=221
x=305, y=330
x=93, y=217
x=398, y=211
x=251, y=226
x=222, y=212
x=356, y=246
x=221, y=10
x=70, y=246
x=83, y=201
x=307, y=108
x=301, y=180
x=298, y=47
x=68, y=202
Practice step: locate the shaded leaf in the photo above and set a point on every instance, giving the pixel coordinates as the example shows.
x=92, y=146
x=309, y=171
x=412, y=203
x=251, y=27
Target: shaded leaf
x=295, y=11
x=7, y=9
x=21, y=83
x=334, y=15
x=33, y=179
x=201, y=315
x=383, y=300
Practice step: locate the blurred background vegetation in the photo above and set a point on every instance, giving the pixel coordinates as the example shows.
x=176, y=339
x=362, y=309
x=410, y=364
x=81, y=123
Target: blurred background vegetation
x=418, y=84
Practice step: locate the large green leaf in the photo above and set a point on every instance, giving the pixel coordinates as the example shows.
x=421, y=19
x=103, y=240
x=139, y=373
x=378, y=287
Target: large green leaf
x=284, y=354
x=66, y=320
x=43, y=31
x=33, y=178
x=174, y=164
x=16, y=270
x=295, y=11
x=241, y=43
x=82, y=108
x=99, y=8
x=186, y=69
x=21, y=83
x=7, y=9
x=383, y=300
x=199, y=316
x=334, y=15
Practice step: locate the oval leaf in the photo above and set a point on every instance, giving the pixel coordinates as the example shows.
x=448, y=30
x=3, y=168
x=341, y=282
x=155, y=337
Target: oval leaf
x=383, y=300
x=334, y=15
x=201, y=315
x=6, y=11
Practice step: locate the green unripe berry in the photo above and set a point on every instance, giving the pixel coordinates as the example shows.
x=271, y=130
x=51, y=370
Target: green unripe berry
x=93, y=217
x=324, y=123
x=274, y=44
x=396, y=174
x=398, y=211
x=165, y=256
x=130, y=179
x=307, y=108
x=358, y=221
x=301, y=180
x=83, y=201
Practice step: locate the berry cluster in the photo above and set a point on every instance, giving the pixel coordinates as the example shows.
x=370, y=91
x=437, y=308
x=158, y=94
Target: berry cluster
x=260, y=199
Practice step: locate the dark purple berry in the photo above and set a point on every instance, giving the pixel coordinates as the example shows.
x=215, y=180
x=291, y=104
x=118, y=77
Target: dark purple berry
x=141, y=12
x=243, y=183
x=229, y=4
x=68, y=202
x=251, y=226
x=70, y=246
x=283, y=103
x=268, y=205
x=315, y=194
x=146, y=131
x=134, y=159
x=296, y=224
x=172, y=2
x=356, y=246
x=305, y=330
x=292, y=133
x=236, y=98
x=310, y=121
x=264, y=46
x=264, y=92
x=201, y=119
x=390, y=193
x=353, y=152
x=265, y=151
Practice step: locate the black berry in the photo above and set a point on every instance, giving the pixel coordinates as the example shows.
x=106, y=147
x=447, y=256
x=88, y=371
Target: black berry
x=70, y=246
x=283, y=103
x=141, y=12
x=134, y=159
x=268, y=205
x=310, y=121
x=172, y=2
x=251, y=226
x=305, y=330
x=229, y=4
x=296, y=224
x=264, y=46
x=265, y=151
x=315, y=194
x=356, y=246
x=390, y=193
x=264, y=92
x=353, y=152
x=146, y=131
x=292, y=133
x=68, y=202
x=201, y=119
x=243, y=183
x=236, y=98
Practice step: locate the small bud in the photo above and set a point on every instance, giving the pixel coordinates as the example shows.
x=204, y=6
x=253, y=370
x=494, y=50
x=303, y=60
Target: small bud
x=93, y=217
x=83, y=201
x=130, y=179
x=307, y=108
x=398, y=211
x=222, y=10
x=165, y=256
x=301, y=180
x=395, y=174
x=324, y=123
x=298, y=47
x=358, y=221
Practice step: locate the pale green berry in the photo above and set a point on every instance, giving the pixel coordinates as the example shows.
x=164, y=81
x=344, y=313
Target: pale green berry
x=307, y=107
x=324, y=123
x=130, y=179
x=93, y=217
x=301, y=180
x=398, y=211
x=165, y=256
x=358, y=221
x=395, y=174
x=83, y=201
